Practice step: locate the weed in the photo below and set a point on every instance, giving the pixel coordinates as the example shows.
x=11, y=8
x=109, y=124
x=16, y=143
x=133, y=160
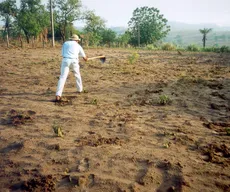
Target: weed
x=164, y=99
x=94, y=102
x=85, y=91
x=166, y=145
x=228, y=130
x=133, y=58
x=57, y=130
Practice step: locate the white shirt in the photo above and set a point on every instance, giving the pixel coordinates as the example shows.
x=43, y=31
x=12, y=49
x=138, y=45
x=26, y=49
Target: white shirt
x=72, y=50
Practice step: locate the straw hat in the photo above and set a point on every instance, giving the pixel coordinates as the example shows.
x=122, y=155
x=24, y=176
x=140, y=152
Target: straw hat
x=75, y=37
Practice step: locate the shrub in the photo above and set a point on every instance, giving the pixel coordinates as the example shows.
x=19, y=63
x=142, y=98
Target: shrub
x=151, y=47
x=224, y=49
x=168, y=47
x=133, y=58
x=192, y=48
x=211, y=49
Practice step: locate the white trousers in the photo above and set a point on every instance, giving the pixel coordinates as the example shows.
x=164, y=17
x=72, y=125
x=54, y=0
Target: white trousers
x=65, y=66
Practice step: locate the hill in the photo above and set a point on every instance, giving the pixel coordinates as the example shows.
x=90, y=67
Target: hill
x=184, y=34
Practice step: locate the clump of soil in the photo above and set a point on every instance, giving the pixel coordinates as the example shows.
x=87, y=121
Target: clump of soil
x=41, y=183
x=220, y=127
x=20, y=117
x=68, y=100
x=215, y=153
x=96, y=140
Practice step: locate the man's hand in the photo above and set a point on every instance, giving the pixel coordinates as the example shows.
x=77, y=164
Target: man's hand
x=85, y=58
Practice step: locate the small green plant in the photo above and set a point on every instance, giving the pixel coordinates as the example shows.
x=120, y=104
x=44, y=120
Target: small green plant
x=228, y=131
x=164, y=100
x=85, y=91
x=57, y=130
x=94, y=102
x=133, y=58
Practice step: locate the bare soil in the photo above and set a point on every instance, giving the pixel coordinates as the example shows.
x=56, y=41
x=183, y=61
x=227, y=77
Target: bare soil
x=159, y=124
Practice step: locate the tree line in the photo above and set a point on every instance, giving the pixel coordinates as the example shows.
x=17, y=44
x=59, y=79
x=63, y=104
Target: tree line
x=30, y=21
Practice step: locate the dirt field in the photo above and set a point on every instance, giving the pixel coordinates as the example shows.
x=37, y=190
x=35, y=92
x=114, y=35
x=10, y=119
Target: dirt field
x=160, y=124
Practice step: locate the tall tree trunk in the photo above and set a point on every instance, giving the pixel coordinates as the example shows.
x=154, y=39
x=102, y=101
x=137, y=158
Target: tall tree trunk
x=20, y=39
x=204, y=41
x=7, y=36
x=7, y=39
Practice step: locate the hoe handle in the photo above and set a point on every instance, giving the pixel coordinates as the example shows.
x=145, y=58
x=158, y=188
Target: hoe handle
x=97, y=57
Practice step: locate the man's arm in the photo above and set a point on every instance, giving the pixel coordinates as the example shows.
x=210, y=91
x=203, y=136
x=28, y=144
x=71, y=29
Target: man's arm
x=82, y=53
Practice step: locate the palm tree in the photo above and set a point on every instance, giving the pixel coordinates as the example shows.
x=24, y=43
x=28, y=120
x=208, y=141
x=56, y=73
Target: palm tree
x=205, y=31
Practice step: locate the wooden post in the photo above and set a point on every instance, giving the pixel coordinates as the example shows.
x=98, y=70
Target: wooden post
x=52, y=23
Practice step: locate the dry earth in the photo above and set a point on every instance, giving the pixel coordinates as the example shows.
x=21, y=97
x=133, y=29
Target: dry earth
x=160, y=124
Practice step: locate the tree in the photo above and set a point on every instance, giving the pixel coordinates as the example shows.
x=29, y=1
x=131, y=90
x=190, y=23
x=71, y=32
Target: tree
x=205, y=31
x=8, y=11
x=65, y=13
x=32, y=18
x=93, y=28
x=147, y=26
x=108, y=36
x=179, y=40
x=124, y=39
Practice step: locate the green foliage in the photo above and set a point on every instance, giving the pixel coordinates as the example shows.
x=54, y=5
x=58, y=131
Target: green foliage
x=8, y=11
x=228, y=130
x=8, y=8
x=108, y=36
x=93, y=28
x=65, y=13
x=151, y=47
x=94, y=23
x=164, y=100
x=205, y=31
x=211, y=49
x=32, y=18
x=133, y=58
x=224, y=49
x=168, y=47
x=192, y=47
x=94, y=102
x=148, y=26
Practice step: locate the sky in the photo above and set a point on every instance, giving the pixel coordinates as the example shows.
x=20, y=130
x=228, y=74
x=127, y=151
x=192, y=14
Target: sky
x=119, y=12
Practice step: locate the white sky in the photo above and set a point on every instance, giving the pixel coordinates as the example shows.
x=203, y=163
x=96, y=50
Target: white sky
x=119, y=12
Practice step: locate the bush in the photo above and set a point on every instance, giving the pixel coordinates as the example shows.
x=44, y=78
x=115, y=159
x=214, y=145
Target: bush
x=168, y=47
x=151, y=47
x=192, y=48
x=224, y=49
x=215, y=49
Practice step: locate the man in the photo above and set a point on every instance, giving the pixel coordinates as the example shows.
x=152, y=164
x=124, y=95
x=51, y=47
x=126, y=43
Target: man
x=70, y=53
